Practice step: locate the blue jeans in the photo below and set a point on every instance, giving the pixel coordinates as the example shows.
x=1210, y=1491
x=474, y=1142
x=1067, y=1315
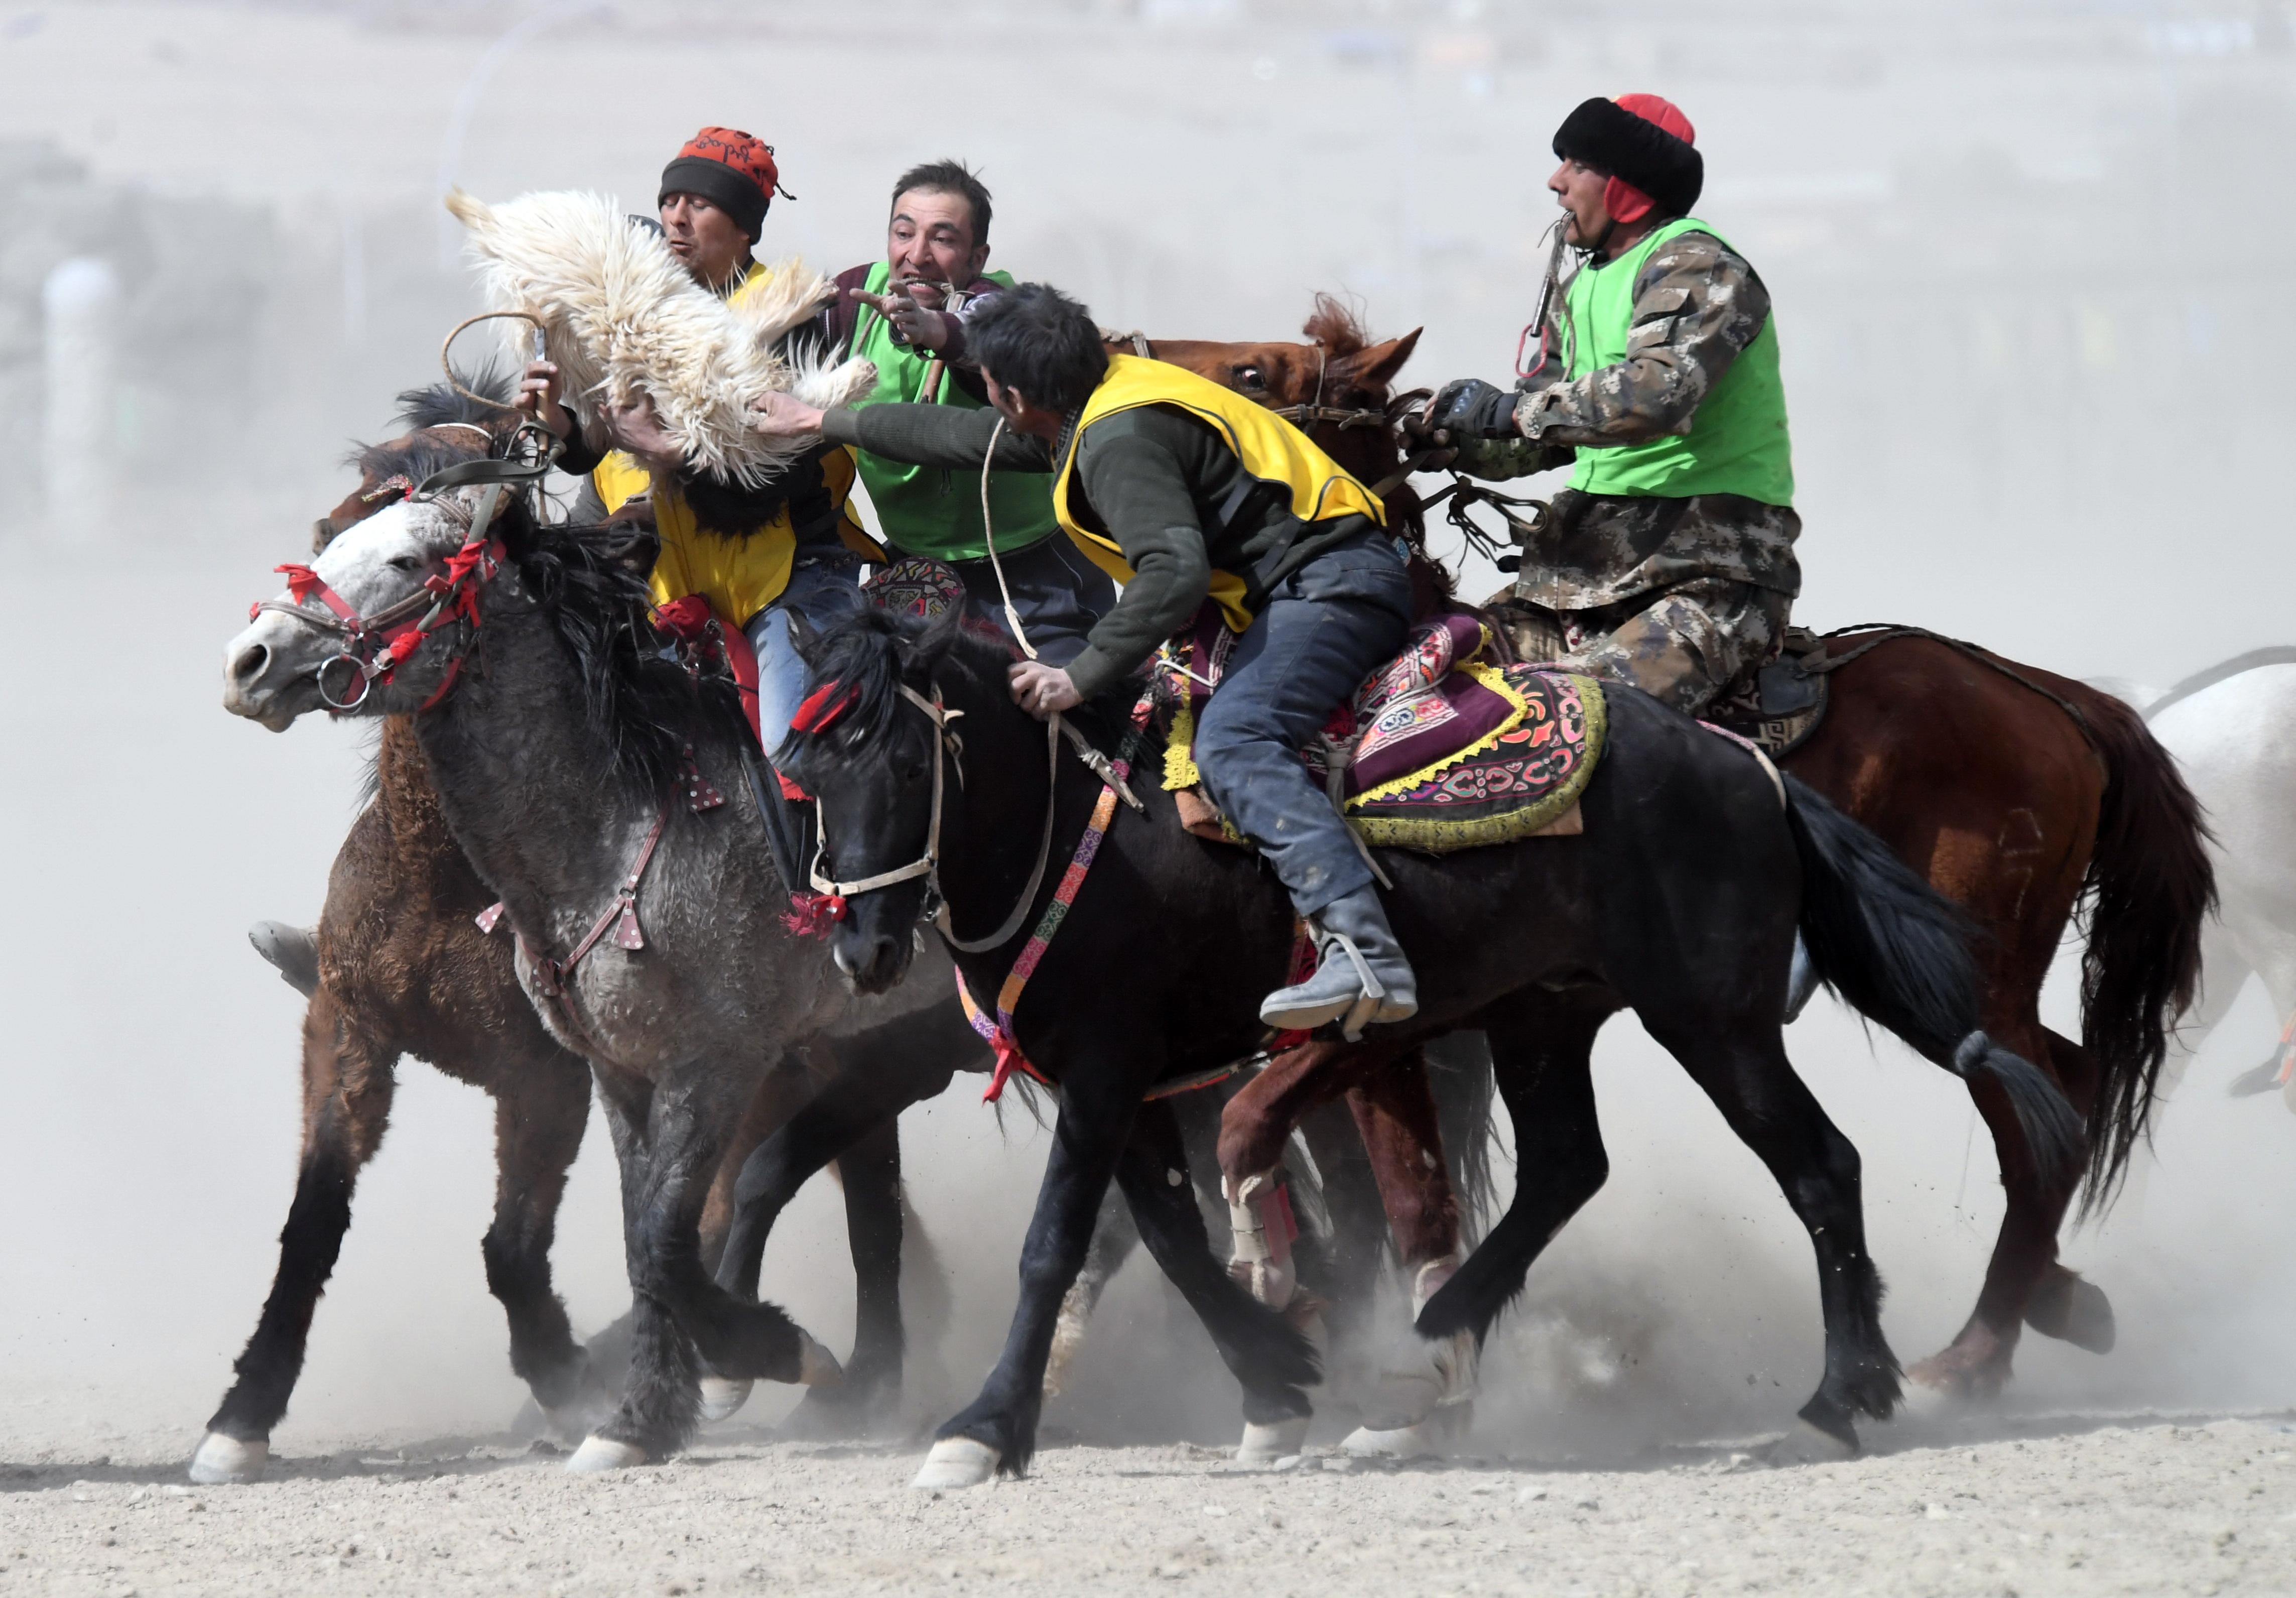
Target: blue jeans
x=1060, y=594
x=822, y=588
x=1323, y=629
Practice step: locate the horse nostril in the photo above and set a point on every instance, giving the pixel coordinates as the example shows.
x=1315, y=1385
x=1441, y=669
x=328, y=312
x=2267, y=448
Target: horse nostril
x=252, y=664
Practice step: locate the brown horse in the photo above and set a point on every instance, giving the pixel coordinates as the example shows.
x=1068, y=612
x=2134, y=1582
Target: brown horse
x=2023, y=796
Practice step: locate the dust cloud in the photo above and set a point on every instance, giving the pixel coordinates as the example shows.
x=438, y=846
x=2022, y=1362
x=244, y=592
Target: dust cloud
x=2026, y=259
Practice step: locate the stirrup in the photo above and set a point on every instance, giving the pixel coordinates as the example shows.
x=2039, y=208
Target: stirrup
x=1364, y=1010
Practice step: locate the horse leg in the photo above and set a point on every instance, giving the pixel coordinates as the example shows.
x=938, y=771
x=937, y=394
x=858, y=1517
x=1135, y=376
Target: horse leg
x=1976, y=1364
x=879, y=1075
x=1257, y=1346
x=870, y=1172
x=541, y=1106
x=1743, y=1067
x=1114, y=1237
x=1542, y=1046
x=667, y=1137
x=1344, y=1272
x=998, y=1431
x=1423, y=1395
x=2062, y=1304
x=347, y=1084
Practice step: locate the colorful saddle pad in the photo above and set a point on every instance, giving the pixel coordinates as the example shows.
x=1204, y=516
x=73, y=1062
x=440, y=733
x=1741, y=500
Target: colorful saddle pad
x=1447, y=751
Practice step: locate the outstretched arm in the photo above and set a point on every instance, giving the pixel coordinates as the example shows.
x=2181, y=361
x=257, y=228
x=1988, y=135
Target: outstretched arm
x=923, y=435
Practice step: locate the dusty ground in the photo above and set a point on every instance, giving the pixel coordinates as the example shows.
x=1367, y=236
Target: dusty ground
x=2062, y=1505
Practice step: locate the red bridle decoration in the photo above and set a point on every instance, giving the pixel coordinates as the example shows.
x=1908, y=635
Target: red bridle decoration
x=822, y=707
x=376, y=646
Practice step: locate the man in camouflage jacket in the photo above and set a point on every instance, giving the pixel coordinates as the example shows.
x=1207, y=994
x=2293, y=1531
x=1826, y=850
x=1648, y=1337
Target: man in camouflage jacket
x=1669, y=559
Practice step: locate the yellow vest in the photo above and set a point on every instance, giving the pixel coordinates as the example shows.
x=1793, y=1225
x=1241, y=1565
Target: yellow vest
x=1271, y=449
x=739, y=577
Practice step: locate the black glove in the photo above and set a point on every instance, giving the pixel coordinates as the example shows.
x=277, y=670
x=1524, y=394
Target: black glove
x=1471, y=409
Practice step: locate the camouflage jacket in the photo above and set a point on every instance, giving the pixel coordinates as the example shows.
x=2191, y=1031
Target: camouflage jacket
x=1697, y=306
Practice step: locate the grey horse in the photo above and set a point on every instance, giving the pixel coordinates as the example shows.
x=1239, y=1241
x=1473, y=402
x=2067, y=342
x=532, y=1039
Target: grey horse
x=598, y=788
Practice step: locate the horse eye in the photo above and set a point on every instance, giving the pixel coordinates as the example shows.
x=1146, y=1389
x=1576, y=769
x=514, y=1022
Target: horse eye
x=406, y=564
x=1250, y=377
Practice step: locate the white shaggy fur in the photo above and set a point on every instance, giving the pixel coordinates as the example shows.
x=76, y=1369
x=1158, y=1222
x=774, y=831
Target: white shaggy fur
x=620, y=315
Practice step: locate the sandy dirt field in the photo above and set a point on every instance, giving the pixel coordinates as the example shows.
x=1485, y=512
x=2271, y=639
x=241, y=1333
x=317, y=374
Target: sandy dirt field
x=2059, y=1505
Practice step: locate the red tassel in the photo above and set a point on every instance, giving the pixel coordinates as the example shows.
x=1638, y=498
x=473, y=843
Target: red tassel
x=812, y=914
x=822, y=707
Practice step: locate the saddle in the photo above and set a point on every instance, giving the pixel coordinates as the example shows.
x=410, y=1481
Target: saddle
x=1442, y=749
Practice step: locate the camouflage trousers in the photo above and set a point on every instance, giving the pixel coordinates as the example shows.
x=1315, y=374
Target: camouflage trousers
x=1684, y=645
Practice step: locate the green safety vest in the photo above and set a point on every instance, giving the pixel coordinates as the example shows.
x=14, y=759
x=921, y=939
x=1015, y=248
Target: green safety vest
x=930, y=510
x=1737, y=440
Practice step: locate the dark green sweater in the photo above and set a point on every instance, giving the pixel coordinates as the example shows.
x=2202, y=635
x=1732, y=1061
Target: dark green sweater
x=1164, y=485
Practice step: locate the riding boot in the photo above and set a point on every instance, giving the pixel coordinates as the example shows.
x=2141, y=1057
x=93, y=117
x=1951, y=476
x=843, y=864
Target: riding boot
x=1362, y=978
x=788, y=824
x=294, y=951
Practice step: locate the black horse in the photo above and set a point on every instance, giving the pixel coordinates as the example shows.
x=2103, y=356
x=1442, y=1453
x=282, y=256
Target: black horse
x=1680, y=900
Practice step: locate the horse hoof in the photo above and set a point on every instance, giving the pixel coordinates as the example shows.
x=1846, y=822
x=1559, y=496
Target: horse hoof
x=2074, y=1310
x=817, y=1367
x=223, y=1459
x=1279, y=1439
x=956, y=1462
x=1808, y=1444
x=599, y=1454
x=722, y=1396
x=1921, y=1401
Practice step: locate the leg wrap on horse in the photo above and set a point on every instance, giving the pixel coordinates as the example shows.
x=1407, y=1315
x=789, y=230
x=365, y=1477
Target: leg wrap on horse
x=1260, y=1214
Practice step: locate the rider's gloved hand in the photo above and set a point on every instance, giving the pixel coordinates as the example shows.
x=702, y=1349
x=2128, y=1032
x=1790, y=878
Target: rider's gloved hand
x=1471, y=409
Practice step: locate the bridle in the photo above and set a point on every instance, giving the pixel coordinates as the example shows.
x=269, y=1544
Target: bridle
x=374, y=647
x=948, y=747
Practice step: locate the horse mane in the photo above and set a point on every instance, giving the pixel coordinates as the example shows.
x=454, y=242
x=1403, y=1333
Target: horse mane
x=590, y=582
x=1336, y=326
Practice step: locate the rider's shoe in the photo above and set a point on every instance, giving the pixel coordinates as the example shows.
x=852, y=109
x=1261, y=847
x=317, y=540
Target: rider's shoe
x=293, y=950
x=1363, y=976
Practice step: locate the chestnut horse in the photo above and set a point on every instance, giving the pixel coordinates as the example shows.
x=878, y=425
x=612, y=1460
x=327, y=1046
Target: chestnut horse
x=2023, y=796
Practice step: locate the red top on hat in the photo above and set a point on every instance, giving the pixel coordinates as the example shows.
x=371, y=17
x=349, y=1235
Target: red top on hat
x=752, y=158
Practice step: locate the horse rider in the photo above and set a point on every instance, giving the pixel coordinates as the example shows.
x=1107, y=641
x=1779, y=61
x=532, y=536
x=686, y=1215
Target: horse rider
x=760, y=560
x=1668, y=562
x=1186, y=490
x=907, y=314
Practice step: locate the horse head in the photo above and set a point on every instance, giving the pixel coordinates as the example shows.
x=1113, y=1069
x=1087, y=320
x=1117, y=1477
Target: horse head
x=902, y=720
x=379, y=623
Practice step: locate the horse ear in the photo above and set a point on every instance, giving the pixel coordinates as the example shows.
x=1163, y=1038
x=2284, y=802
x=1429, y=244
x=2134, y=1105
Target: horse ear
x=919, y=651
x=1375, y=368
x=804, y=636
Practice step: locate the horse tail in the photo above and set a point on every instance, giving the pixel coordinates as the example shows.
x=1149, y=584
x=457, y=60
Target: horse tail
x=2149, y=888
x=1898, y=951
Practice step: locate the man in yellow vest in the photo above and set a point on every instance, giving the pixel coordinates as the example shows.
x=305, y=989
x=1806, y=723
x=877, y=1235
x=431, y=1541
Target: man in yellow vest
x=907, y=314
x=759, y=557
x=1669, y=559
x=1187, y=490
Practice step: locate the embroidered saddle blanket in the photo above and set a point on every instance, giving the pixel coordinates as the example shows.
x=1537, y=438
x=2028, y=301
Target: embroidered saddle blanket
x=1439, y=749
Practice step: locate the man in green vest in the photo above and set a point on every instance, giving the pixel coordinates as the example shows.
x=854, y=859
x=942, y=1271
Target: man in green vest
x=908, y=314
x=1670, y=561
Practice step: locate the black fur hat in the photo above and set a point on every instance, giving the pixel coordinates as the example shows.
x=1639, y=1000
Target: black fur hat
x=1606, y=136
